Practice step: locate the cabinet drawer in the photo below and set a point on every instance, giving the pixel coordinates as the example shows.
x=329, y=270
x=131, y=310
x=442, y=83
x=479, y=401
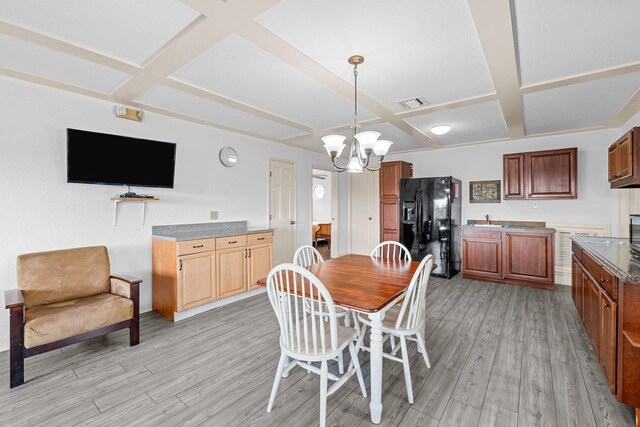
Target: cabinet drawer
x=196, y=246
x=591, y=265
x=257, y=239
x=482, y=234
x=608, y=282
x=231, y=242
x=577, y=251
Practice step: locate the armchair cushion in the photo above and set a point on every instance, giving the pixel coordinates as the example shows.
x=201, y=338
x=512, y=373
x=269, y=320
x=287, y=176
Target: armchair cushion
x=52, y=277
x=53, y=322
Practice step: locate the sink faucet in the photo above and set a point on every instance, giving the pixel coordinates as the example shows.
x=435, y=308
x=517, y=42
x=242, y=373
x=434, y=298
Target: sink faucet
x=487, y=218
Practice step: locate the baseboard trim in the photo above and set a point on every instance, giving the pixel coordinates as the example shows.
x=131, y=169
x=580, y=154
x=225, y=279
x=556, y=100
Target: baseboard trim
x=220, y=303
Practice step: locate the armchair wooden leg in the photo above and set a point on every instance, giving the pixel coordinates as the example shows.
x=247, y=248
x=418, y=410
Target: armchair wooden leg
x=16, y=352
x=134, y=330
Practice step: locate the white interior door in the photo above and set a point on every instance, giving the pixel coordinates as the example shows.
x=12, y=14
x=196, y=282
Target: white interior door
x=282, y=210
x=364, y=212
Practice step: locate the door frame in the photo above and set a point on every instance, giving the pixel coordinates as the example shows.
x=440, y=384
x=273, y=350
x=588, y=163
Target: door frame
x=335, y=209
x=295, y=194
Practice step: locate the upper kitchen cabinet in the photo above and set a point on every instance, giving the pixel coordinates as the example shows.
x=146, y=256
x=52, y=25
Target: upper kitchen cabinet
x=549, y=174
x=390, y=175
x=624, y=165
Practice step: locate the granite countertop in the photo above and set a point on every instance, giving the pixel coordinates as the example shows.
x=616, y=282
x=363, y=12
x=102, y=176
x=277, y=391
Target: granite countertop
x=514, y=227
x=183, y=232
x=613, y=253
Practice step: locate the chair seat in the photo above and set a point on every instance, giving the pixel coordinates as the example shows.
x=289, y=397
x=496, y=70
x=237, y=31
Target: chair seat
x=54, y=322
x=340, y=312
x=345, y=336
x=389, y=321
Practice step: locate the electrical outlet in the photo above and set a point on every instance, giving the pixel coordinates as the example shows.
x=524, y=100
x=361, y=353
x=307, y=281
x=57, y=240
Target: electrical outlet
x=214, y=215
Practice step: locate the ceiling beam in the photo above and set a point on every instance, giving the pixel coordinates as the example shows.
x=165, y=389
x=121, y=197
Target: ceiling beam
x=581, y=78
x=222, y=18
x=270, y=42
x=495, y=31
x=628, y=110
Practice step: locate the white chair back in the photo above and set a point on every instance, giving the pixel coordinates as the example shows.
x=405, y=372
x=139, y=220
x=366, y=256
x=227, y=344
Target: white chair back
x=290, y=288
x=307, y=255
x=391, y=250
x=413, y=310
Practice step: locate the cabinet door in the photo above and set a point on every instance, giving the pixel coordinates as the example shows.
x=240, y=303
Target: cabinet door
x=259, y=265
x=614, y=167
x=231, y=271
x=389, y=220
x=529, y=256
x=390, y=175
x=625, y=157
x=482, y=257
x=196, y=280
x=552, y=174
x=576, y=285
x=513, y=176
x=592, y=314
x=608, y=318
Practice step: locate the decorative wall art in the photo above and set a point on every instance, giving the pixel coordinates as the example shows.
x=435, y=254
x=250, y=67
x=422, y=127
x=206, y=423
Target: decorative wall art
x=484, y=191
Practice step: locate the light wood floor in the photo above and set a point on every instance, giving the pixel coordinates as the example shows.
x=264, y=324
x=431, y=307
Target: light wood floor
x=501, y=355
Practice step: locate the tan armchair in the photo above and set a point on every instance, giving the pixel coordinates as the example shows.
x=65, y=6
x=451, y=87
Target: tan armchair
x=65, y=297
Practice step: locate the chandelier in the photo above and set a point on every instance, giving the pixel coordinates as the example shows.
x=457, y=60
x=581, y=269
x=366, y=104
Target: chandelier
x=363, y=145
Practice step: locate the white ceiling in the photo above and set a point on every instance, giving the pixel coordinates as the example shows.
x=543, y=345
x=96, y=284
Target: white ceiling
x=277, y=69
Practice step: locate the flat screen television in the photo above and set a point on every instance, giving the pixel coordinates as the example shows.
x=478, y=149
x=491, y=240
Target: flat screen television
x=99, y=158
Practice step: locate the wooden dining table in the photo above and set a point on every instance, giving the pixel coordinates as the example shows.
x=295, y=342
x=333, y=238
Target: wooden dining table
x=371, y=286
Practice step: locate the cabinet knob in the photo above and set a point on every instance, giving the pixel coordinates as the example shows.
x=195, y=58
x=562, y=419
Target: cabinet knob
x=235, y=241
x=607, y=305
x=292, y=222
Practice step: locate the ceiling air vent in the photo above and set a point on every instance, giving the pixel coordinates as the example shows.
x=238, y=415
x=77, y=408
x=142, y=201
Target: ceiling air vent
x=411, y=103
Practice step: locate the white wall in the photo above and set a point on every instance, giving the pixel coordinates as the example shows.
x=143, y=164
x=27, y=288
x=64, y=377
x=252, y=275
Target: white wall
x=596, y=203
x=322, y=207
x=40, y=211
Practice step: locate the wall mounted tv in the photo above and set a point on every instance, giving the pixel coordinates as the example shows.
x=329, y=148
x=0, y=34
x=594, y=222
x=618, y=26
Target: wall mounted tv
x=99, y=158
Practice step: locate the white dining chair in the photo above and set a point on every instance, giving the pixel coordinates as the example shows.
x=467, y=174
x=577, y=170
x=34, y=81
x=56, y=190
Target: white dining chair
x=305, y=256
x=406, y=321
x=304, y=336
x=391, y=249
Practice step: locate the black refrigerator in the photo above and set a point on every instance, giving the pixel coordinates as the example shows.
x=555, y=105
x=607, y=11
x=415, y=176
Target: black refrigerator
x=431, y=213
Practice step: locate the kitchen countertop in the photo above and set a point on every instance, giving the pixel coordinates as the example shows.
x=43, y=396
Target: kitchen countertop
x=514, y=227
x=614, y=253
x=183, y=232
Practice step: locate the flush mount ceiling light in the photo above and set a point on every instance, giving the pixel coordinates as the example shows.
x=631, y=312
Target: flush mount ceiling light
x=363, y=145
x=440, y=129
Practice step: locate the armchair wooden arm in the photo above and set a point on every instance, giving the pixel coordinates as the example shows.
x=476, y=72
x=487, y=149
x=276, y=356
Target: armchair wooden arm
x=128, y=287
x=13, y=298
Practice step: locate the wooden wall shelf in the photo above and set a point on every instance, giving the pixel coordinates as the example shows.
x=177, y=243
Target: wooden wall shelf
x=141, y=200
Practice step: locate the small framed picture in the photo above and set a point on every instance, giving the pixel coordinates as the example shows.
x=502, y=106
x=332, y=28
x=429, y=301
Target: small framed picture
x=484, y=191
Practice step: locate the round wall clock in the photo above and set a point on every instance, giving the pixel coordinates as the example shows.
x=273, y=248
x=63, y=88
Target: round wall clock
x=318, y=191
x=228, y=157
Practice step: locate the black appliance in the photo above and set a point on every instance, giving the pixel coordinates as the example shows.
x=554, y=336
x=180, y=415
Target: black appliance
x=99, y=158
x=634, y=233
x=431, y=214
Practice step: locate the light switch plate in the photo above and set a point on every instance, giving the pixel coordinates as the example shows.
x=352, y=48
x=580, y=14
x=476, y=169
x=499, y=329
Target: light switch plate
x=214, y=215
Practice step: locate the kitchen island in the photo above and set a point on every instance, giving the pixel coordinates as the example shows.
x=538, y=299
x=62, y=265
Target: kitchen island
x=517, y=253
x=605, y=288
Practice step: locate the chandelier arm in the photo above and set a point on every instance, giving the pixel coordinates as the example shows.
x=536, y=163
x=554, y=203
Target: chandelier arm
x=374, y=169
x=336, y=166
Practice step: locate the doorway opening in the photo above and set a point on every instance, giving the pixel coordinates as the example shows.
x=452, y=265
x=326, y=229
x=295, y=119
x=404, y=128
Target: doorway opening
x=324, y=233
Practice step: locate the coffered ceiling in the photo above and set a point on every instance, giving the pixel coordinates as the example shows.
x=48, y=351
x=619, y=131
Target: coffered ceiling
x=277, y=69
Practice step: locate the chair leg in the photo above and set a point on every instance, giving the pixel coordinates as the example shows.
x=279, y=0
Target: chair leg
x=341, y=363
x=392, y=341
x=423, y=347
x=285, y=374
x=16, y=346
x=356, y=365
x=355, y=321
x=323, y=393
x=361, y=336
x=276, y=381
x=347, y=319
x=407, y=371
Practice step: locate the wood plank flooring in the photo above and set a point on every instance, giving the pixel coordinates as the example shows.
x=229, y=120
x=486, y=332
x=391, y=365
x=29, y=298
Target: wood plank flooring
x=501, y=355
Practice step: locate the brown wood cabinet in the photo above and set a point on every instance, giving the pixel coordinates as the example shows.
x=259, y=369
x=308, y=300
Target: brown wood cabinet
x=624, y=161
x=549, y=174
x=608, y=328
x=191, y=273
x=516, y=257
x=390, y=175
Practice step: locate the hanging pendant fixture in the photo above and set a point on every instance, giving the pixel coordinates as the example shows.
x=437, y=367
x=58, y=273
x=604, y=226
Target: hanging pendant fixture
x=364, y=146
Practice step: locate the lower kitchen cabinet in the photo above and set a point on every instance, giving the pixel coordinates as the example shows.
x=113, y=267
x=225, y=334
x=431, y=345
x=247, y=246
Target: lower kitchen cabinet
x=516, y=257
x=608, y=317
x=196, y=280
x=188, y=274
